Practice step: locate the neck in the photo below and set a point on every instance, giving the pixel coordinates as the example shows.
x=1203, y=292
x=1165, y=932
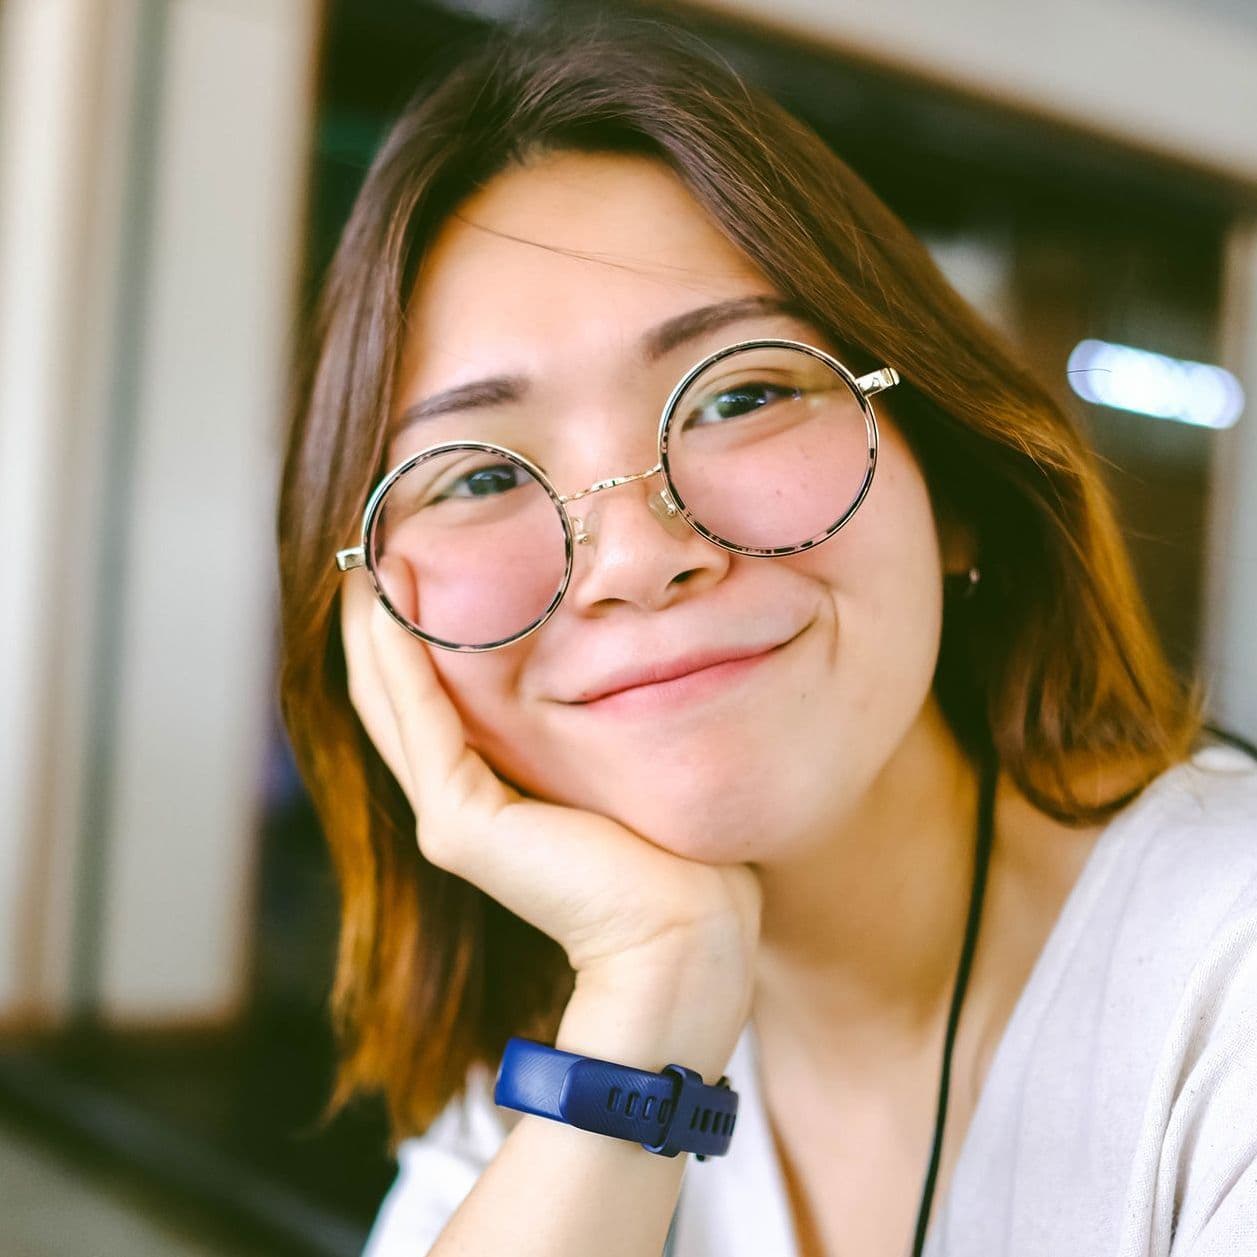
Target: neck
x=861, y=932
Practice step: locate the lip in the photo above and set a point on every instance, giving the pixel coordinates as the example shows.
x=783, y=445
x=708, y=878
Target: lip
x=684, y=678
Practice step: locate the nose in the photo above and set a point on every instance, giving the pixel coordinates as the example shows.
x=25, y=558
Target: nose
x=659, y=500
x=637, y=553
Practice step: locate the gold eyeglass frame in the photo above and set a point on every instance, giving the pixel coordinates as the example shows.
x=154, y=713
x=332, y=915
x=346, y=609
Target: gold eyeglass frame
x=667, y=501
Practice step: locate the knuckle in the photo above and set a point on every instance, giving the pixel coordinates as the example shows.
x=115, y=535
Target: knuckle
x=453, y=814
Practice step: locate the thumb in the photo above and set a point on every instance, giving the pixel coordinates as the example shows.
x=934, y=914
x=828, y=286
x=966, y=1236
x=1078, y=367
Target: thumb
x=446, y=773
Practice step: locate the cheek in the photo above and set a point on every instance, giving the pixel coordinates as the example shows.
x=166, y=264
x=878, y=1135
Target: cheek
x=883, y=568
x=882, y=576
x=482, y=571
x=895, y=628
x=482, y=688
x=511, y=737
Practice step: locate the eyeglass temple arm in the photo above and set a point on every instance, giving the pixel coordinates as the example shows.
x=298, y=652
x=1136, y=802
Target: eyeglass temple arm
x=345, y=559
x=877, y=381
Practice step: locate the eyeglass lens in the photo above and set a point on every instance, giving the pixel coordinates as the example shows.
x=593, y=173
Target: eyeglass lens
x=484, y=543
x=767, y=449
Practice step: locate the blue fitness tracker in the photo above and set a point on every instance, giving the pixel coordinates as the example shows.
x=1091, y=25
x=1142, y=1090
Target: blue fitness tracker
x=668, y=1112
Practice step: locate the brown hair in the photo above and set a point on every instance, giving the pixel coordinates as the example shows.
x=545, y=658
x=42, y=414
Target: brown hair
x=1053, y=666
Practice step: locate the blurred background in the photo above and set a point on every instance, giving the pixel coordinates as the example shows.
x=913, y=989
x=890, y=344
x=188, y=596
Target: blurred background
x=173, y=175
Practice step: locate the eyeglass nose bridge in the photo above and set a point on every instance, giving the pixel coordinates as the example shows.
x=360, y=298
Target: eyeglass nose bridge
x=661, y=503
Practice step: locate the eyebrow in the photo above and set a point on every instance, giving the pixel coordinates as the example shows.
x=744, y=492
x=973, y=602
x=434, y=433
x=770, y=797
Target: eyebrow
x=659, y=341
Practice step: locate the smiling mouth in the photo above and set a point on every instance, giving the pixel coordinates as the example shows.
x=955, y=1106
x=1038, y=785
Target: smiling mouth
x=681, y=687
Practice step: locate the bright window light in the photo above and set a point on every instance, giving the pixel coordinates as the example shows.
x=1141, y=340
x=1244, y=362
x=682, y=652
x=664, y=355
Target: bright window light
x=1152, y=384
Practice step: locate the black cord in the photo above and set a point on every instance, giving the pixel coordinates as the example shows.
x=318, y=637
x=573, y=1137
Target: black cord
x=981, y=862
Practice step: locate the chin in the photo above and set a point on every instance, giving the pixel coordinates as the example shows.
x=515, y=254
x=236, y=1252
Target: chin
x=725, y=800
x=716, y=817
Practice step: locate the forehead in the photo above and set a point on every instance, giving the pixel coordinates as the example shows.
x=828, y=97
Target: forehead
x=567, y=258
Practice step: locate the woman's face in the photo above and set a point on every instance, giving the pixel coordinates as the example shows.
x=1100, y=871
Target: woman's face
x=555, y=276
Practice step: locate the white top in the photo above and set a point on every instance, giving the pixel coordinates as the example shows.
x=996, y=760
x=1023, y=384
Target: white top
x=1119, y=1113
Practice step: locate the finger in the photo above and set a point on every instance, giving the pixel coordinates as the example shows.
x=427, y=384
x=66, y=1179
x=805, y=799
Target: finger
x=366, y=688
x=397, y=579
x=447, y=775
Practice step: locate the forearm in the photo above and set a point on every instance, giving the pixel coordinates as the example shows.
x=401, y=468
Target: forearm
x=554, y=1190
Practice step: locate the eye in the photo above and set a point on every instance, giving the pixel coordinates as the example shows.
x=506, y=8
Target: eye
x=482, y=482
x=735, y=401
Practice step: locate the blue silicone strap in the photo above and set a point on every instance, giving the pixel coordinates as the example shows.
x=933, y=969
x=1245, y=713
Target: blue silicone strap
x=668, y=1112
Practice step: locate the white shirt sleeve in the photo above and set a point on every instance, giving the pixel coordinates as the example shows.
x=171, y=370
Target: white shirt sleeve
x=435, y=1171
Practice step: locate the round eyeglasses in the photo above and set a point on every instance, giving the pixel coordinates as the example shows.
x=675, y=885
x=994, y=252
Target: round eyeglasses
x=766, y=448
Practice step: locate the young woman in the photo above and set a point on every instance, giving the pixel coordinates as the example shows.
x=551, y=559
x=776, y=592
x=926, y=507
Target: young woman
x=730, y=661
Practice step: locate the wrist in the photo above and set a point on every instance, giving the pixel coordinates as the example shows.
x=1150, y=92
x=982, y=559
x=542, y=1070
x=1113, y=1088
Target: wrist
x=669, y=1004
x=667, y=1111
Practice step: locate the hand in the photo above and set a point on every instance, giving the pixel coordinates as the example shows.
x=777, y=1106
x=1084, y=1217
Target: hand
x=603, y=892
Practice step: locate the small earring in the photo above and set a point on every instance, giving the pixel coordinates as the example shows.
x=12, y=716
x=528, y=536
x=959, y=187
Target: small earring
x=964, y=584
